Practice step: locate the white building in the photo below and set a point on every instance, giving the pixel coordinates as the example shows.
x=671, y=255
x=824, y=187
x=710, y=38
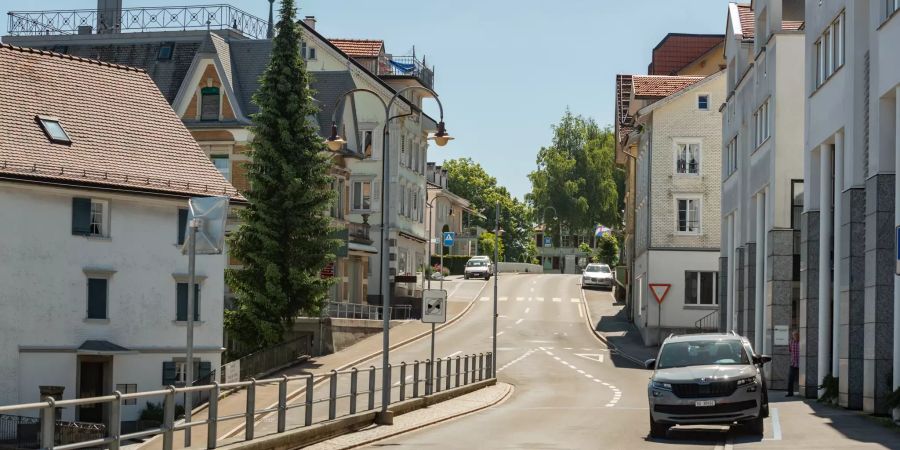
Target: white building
x=762, y=176
x=95, y=173
x=850, y=311
x=677, y=135
x=448, y=212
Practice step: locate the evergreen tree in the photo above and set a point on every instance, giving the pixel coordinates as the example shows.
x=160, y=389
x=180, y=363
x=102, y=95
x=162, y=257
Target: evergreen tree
x=282, y=242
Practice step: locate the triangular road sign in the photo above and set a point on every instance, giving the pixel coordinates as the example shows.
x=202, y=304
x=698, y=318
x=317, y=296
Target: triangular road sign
x=591, y=356
x=659, y=291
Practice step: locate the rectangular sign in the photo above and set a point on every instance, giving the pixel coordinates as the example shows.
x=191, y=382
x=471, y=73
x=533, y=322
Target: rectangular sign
x=781, y=335
x=434, y=306
x=548, y=241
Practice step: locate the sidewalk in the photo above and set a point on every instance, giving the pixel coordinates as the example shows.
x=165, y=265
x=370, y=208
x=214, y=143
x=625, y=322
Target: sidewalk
x=267, y=395
x=609, y=322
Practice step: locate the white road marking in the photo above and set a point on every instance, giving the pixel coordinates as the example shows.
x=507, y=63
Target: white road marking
x=581, y=371
x=524, y=355
x=591, y=356
x=502, y=299
x=484, y=299
x=527, y=309
x=548, y=352
x=519, y=299
x=557, y=358
x=567, y=348
x=541, y=342
x=519, y=321
x=500, y=332
x=557, y=299
x=576, y=300
x=530, y=298
x=776, y=425
x=540, y=299
x=617, y=394
x=580, y=310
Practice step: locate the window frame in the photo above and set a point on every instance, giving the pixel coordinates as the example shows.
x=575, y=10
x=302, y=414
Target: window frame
x=699, y=291
x=87, y=313
x=127, y=388
x=104, y=219
x=207, y=92
x=688, y=143
x=198, y=318
x=794, y=205
x=699, y=219
x=44, y=121
x=360, y=196
x=731, y=156
x=168, y=46
x=700, y=98
x=219, y=157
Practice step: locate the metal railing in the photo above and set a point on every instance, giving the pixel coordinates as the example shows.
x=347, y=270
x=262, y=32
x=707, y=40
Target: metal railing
x=344, y=310
x=341, y=393
x=359, y=232
x=709, y=322
x=24, y=432
x=402, y=66
x=180, y=18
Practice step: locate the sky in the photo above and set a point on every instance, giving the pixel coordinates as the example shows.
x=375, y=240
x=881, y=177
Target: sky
x=505, y=70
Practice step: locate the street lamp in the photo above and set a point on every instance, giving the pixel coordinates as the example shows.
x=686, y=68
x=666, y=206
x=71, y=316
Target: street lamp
x=441, y=137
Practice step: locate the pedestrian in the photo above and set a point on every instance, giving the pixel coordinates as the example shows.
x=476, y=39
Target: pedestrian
x=794, y=374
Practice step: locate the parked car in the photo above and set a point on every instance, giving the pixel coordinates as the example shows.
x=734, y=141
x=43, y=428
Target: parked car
x=478, y=267
x=599, y=275
x=705, y=379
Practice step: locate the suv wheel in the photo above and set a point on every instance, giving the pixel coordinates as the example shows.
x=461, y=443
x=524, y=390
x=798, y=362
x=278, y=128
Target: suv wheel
x=755, y=426
x=658, y=430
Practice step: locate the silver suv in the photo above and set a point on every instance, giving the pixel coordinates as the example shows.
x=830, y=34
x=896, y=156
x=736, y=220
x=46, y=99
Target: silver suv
x=701, y=379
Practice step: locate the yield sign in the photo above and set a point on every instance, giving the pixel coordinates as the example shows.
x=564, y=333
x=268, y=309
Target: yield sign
x=660, y=290
x=591, y=356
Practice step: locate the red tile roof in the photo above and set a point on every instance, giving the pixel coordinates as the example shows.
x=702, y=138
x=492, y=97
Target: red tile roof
x=657, y=86
x=124, y=133
x=366, y=48
x=791, y=25
x=748, y=21
x=676, y=51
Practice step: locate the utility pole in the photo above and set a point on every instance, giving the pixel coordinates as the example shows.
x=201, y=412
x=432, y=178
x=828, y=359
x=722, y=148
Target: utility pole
x=496, y=276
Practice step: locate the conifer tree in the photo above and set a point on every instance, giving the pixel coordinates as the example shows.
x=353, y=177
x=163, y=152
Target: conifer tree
x=282, y=242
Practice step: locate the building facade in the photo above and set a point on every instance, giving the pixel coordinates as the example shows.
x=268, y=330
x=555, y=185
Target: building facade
x=448, y=212
x=95, y=179
x=762, y=177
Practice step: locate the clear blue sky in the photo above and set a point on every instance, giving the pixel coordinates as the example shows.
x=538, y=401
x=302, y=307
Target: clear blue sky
x=505, y=69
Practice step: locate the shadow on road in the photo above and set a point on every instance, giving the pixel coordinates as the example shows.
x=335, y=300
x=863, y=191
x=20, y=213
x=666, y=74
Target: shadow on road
x=693, y=436
x=625, y=337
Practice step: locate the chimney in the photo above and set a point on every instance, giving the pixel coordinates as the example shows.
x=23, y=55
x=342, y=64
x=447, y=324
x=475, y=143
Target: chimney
x=310, y=21
x=109, y=16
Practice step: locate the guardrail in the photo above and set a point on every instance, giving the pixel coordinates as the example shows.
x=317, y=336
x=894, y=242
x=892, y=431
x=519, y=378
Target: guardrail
x=343, y=397
x=344, y=310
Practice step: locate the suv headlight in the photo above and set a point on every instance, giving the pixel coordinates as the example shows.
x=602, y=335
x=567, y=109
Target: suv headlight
x=661, y=386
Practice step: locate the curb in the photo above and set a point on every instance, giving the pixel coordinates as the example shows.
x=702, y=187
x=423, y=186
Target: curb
x=510, y=389
x=602, y=337
x=296, y=393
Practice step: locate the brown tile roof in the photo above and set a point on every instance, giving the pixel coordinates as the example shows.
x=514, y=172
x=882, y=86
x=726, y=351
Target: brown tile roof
x=124, y=134
x=791, y=25
x=748, y=21
x=675, y=51
x=365, y=48
x=657, y=86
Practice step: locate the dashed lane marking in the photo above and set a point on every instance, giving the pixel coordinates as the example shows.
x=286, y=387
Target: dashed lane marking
x=557, y=299
x=617, y=394
x=519, y=321
x=484, y=299
x=576, y=300
x=580, y=310
x=520, y=299
x=502, y=299
x=524, y=355
x=527, y=309
x=540, y=299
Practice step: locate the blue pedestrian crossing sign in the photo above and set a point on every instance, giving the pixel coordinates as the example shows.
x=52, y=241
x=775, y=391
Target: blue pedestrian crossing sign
x=449, y=237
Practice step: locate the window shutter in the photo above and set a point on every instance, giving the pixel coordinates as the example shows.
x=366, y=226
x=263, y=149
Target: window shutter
x=168, y=373
x=181, y=312
x=81, y=216
x=96, y=298
x=203, y=375
x=182, y=224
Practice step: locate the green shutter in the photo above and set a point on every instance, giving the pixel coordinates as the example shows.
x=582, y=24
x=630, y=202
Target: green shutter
x=181, y=312
x=182, y=224
x=97, y=298
x=81, y=216
x=203, y=377
x=168, y=373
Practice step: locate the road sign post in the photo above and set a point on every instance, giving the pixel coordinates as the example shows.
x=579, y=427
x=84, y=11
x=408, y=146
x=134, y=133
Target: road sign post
x=434, y=310
x=659, y=291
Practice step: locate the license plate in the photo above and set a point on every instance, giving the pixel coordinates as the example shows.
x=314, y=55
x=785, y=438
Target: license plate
x=705, y=403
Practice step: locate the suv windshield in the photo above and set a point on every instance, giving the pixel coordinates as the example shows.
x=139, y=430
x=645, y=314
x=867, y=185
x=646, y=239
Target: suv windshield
x=597, y=268
x=477, y=263
x=701, y=353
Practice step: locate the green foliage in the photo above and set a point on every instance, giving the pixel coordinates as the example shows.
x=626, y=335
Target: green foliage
x=154, y=412
x=279, y=242
x=831, y=387
x=487, y=242
x=608, y=250
x=577, y=176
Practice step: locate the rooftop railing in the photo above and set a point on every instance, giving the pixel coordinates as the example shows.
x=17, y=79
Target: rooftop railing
x=162, y=18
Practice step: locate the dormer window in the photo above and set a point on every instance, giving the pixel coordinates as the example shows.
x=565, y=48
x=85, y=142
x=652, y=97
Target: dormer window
x=53, y=129
x=209, y=103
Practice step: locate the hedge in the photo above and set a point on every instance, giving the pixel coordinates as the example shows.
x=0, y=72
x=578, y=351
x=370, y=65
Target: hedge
x=456, y=263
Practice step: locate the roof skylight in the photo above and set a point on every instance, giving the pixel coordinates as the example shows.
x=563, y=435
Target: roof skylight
x=54, y=130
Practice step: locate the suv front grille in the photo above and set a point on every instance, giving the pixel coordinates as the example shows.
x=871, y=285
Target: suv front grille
x=722, y=408
x=695, y=390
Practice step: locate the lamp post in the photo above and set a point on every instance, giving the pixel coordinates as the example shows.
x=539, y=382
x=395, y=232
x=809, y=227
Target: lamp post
x=496, y=277
x=335, y=142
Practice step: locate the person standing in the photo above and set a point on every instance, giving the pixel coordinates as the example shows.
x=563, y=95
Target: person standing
x=794, y=374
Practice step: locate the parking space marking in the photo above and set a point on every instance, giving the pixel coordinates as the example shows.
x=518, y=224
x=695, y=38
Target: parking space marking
x=617, y=394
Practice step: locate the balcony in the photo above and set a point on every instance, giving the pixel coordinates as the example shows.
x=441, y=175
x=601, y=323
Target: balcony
x=359, y=233
x=400, y=67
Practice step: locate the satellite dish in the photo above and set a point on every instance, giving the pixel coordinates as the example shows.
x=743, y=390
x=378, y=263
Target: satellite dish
x=211, y=213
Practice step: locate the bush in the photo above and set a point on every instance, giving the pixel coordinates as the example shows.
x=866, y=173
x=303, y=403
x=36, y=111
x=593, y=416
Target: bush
x=454, y=264
x=154, y=412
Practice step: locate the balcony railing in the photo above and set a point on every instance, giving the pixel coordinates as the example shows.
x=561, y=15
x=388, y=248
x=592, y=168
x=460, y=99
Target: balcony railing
x=359, y=233
x=174, y=18
x=400, y=66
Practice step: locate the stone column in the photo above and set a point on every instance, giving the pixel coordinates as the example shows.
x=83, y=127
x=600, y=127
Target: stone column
x=896, y=344
x=825, y=241
x=852, y=267
x=750, y=290
x=780, y=287
x=879, y=292
x=738, y=283
x=759, y=301
x=722, y=287
x=809, y=303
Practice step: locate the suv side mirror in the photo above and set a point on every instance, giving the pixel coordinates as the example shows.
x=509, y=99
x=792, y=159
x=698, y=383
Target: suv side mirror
x=650, y=364
x=761, y=359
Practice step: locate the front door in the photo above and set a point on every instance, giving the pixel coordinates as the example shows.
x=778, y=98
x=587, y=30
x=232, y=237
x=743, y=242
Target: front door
x=92, y=383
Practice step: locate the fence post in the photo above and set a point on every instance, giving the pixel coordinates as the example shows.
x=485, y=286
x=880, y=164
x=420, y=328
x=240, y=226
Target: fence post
x=115, y=422
x=428, y=386
x=48, y=424
x=168, y=425
x=490, y=365
x=354, y=377
x=416, y=379
x=282, y=403
x=212, y=416
x=457, y=371
x=332, y=395
x=449, y=363
x=402, y=380
x=437, y=377
x=249, y=412
x=371, y=387
x=308, y=409
x=474, y=368
x=480, y=366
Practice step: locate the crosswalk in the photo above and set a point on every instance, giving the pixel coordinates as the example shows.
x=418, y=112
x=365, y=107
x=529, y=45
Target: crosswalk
x=529, y=299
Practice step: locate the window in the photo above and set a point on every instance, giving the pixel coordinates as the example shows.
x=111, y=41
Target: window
x=97, y=298
x=700, y=288
x=174, y=372
x=362, y=196
x=731, y=156
x=307, y=51
x=703, y=102
x=687, y=159
x=182, y=224
x=688, y=215
x=830, y=49
x=796, y=203
x=337, y=208
x=98, y=217
x=182, y=302
x=90, y=217
x=165, y=52
x=761, y=122
x=365, y=140
x=209, y=103
x=53, y=129
x=223, y=165
x=127, y=389
x=890, y=7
